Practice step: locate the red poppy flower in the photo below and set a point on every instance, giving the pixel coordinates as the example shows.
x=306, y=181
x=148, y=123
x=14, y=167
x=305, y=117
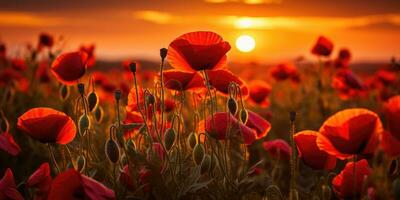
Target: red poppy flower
x=133, y=104
x=8, y=189
x=41, y=180
x=9, y=75
x=225, y=124
x=311, y=155
x=45, y=40
x=386, y=78
x=350, y=132
x=259, y=124
x=284, y=71
x=132, y=117
x=68, y=68
x=278, y=149
x=220, y=80
x=390, y=144
x=259, y=92
x=181, y=80
x=126, y=179
x=73, y=185
x=47, y=125
x=323, y=47
x=392, y=113
x=347, y=84
x=89, y=50
x=144, y=179
x=196, y=51
x=169, y=105
x=8, y=144
x=343, y=59
x=346, y=184
x=18, y=64
x=3, y=51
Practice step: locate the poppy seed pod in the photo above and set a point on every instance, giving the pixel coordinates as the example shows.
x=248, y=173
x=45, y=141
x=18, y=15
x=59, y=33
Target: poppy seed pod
x=64, y=92
x=117, y=95
x=192, y=140
x=198, y=153
x=163, y=53
x=132, y=67
x=98, y=114
x=4, y=125
x=169, y=138
x=81, y=88
x=205, y=164
x=112, y=150
x=93, y=101
x=243, y=115
x=80, y=164
x=232, y=106
x=84, y=123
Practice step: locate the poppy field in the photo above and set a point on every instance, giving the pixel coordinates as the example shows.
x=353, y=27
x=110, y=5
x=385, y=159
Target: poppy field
x=192, y=127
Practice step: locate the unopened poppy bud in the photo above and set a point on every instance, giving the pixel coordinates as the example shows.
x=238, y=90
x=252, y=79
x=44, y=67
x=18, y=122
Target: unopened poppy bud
x=205, y=164
x=112, y=150
x=292, y=116
x=232, y=106
x=393, y=170
x=81, y=88
x=4, y=125
x=132, y=67
x=326, y=192
x=198, y=153
x=169, y=138
x=80, y=164
x=151, y=99
x=273, y=192
x=192, y=140
x=64, y=92
x=93, y=101
x=117, y=95
x=84, y=123
x=243, y=115
x=98, y=114
x=163, y=53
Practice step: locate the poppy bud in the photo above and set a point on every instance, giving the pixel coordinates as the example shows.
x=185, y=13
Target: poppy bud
x=98, y=114
x=151, y=99
x=4, y=125
x=84, y=123
x=117, y=95
x=326, y=192
x=192, y=140
x=198, y=154
x=132, y=66
x=169, y=138
x=163, y=53
x=81, y=88
x=112, y=150
x=130, y=145
x=243, y=115
x=205, y=164
x=80, y=164
x=64, y=92
x=292, y=116
x=393, y=170
x=93, y=100
x=232, y=106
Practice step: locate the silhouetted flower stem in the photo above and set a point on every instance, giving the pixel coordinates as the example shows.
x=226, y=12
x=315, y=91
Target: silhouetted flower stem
x=293, y=157
x=53, y=158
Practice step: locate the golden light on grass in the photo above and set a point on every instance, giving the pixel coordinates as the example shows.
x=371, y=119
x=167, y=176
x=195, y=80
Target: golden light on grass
x=245, y=43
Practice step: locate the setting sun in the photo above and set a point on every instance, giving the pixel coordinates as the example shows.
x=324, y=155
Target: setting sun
x=245, y=43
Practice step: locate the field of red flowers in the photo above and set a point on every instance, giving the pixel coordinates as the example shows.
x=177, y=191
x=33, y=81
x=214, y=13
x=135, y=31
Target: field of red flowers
x=194, y=128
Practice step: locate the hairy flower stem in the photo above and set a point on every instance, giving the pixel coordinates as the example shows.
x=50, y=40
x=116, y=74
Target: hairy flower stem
x=293, y=157
x=53, y=158
x=162, y=94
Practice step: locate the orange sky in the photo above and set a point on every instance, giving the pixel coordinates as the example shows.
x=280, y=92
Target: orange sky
x=283, y=29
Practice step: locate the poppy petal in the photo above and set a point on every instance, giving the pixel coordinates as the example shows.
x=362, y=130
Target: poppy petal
x=221, y=79
x=68, y=68
x=8, y=144
x=278, y=148
x=310, y=153
x=258, y=123
x=390, y=144
x=8, y=189
x=181, y=80
x=392, y=113
x=47, y=125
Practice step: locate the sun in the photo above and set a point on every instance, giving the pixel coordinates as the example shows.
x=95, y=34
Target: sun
x=245, y=43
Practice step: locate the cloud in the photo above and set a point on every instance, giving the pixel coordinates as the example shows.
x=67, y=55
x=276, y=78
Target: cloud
x=28, y=20
x=246, y=1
